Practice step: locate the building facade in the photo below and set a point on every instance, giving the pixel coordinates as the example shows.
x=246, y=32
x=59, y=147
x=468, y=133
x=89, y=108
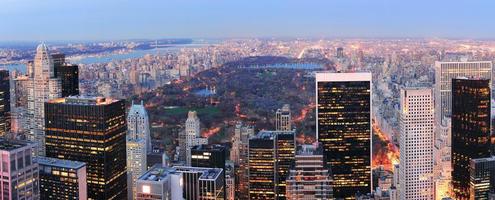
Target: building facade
x=19, y=178
x=239, y=155
x=138, y=145
x=416, y=127
x=446, y=71
x=191, y=137
x=91, y=130
x=482, y=178
x=271, y=154
x=344, y=129
x=470, y=129
x=68, y=75
x=159, y=183
x=309, y=178
x=5, y=114
x=283, y=121
x=43, y=86
x=202, y=183
x=62, y=179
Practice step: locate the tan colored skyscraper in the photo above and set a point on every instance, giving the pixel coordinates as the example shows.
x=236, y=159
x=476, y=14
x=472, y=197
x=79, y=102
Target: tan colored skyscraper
x=416, y=144
x=283, y=120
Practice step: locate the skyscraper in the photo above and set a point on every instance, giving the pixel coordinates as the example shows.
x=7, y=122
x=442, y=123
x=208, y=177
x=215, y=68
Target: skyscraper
x=283, y=121
x=482, y=178
x=344, y=129
x=5, y=117
x=446, y=71
x=61, y=179
x=191, y=136
x=229, y=180
x=271, y=154
x=138, y=124
x=68, y=75
x=309, y=178
x=211, y=156
x=470, y=129
x=19, y=173
x=239, y=155
x=91, y=130
x=416, y=143
x=43, y=86
x=340, y=52
x=138, y=145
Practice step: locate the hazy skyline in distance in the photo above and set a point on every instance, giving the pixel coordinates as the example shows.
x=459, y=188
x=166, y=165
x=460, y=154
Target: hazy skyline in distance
x=35, y=20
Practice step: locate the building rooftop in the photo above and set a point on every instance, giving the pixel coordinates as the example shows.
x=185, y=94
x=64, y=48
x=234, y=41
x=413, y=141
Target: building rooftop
x=487, y=159
x=83, y=100
x=59, y=162
x=207, y=173
x=265, y=134
x=9, y=145
x=309, y=149
x=157, y=173
x=209, y=147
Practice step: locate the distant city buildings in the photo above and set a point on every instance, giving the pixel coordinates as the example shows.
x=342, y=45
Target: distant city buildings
x=470, y=129
x=62, y=179
x=91, y=130
x=283, y=121
x=310, y=177
x=20, y=179
x=344, y=129
x=416, y=143
x=271, y=154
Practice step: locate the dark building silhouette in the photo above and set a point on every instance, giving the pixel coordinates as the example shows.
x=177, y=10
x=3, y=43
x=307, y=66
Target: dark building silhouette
x=211, y=156
x=482, y=178
x=271, y=154
x=90, y=130
x=470, y=130
x=5, y=117
x=344, y=130
x=68, y=74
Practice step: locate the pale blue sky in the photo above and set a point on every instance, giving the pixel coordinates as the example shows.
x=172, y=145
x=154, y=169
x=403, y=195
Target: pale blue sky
x=127, y=19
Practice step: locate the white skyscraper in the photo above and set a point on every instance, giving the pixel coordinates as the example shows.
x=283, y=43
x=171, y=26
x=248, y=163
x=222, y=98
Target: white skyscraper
x=446, y=71
x=138, y=145
x=43, y=87
x=416, y=144
x=191, y=136
x=283, y=119
x=138, y=124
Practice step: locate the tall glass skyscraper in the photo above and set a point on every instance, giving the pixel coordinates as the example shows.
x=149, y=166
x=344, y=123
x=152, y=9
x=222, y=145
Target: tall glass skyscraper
x=5, y=117
x=91, y=130
x=344, y=129
x=470, y=129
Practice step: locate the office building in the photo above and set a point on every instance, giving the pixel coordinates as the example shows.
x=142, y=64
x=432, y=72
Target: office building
x=283, y=121
x=138, y=124
x=482, y=178
x=19, y=178
x=239, y=155
x=340, y=52
x=19, y=104
x=160, y=183
x=309, y=178
x=211, y=156
x=229, y=180
x=343, y=116
x=5, y=114
x=446, y=71
x=61, y=179
x=202, y=183
x=68, y=75
x=138, y=144
x=91, y=130
x=470, y=129
x=43, y=86
x=271, y=154
x=190, y=137
x=416, y=127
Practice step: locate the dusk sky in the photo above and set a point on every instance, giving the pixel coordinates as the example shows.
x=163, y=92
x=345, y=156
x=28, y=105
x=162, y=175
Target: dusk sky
x=130, y=19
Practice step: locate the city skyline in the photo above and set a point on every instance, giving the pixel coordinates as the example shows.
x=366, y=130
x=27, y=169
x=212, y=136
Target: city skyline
x=110, y=20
